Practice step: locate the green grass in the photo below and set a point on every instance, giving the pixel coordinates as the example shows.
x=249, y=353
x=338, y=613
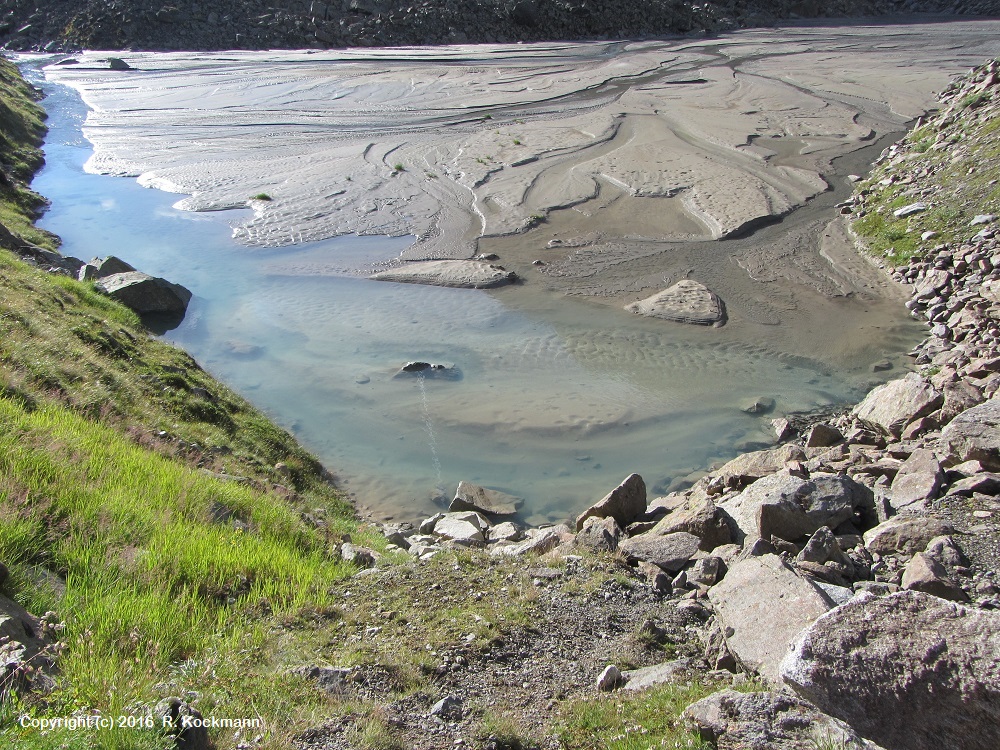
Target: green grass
x=633, y=721
x=261, y=197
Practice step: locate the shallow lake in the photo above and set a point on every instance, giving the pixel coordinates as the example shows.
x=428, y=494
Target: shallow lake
x=554, y=399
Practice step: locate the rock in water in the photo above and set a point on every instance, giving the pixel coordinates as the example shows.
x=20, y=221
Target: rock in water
x=909, y=670
x=470, y=496
x=687, y=301
x=145, y=294
x=468, y=274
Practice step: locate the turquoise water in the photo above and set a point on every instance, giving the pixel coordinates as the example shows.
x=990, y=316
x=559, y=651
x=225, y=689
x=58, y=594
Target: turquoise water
x=558, y=399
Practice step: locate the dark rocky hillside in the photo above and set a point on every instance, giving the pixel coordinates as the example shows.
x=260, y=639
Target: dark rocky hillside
x=262, y=24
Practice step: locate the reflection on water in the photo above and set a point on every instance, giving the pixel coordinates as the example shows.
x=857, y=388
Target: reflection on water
x=556, y=403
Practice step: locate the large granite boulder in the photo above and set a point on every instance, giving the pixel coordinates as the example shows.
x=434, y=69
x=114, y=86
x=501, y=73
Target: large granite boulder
x=974, y=435
x=470, y=496
x=791, y=507
x=905, y=535
x=762, y=605
x=890, y=407
x=909, y=670
x=623, y=503
x=670, y=551
x=918, y=480
x=769, y=721
x=687, y=301
x=749, y=467
x=145, y=294
x=698, y=516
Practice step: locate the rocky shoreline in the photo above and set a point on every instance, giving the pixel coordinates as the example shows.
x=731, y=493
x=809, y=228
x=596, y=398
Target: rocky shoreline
x=65, y=25
x=867, y=547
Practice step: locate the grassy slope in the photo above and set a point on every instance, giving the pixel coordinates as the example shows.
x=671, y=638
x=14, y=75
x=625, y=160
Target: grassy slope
x=951, y=165
x=111, y=448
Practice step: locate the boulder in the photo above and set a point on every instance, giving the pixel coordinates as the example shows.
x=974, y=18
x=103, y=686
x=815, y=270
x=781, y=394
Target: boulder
x=974, y=435
x=436, y=370
x=924, y=573
x=768, y=721
x=25, y=658
x=506, y=532
x=687, y=301
x=822, y=435
x=109, y=266
x=789, y=507
x=670, y=552
x=538, y=542
x=609, y=679
x=466, y=527
x=762, y=605
x=918, y=480
x=905, y=535
x=145, y=294
x=467, y=274
x=599, y=535
x=623, y=503
x=706, y=571
x=698, y=516
x=470, y=496
x=182, y=722
x=749, y=467
x=890, y=407
x=908, y=670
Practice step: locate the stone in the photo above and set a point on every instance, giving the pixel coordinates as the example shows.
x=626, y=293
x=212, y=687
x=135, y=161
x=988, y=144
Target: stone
x=958, y=397
x=464, y=527
x=764, y=595
x=699, y=516
x=768, y=721
x=624, y=503
x=749, y=467
x=145, y=294
x=538, y=542
x=986, y=483
x=974, y=435
x=789, y=507
x=890, y=407
x=687, y=301
x=706, y=571
x=109, y=266
x=918, y=480
x=116, y=63
x=331, y=680
x=360, y=556
x=182, y=721
x=670, y=551
x=655, y=576
x=905, y=535
x=909, y=210
x=658, y=674
x=465, y=274
x=599, y=535
x=783, y=429
x=506, y=532
x=822, y=435
x=924, y=573
x=470, y=496
x=22, y=647
x=448, y=708
x=435, y=370
x=609, y=679
x=760, y=405
x=908, y=670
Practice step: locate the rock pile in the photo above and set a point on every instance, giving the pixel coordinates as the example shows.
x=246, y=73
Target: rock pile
x=263, y=24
